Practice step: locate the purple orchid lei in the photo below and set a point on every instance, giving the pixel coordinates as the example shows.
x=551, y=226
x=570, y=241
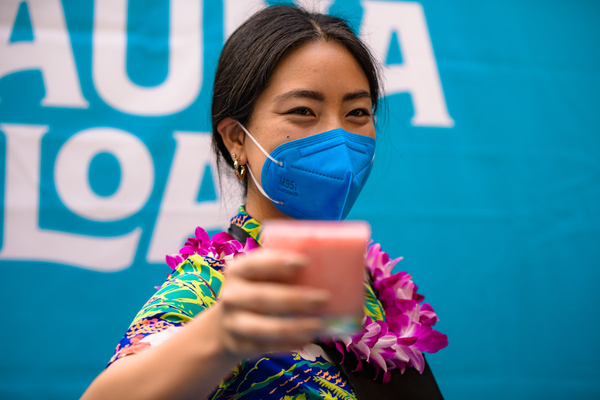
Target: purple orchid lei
x=400, y=340
x=397, y=342
x=222, y=247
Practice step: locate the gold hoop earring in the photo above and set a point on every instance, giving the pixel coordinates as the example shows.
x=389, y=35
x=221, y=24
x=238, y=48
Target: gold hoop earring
x=240, y=170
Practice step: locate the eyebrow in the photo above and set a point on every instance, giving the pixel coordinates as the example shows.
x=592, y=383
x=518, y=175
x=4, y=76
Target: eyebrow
x=301, y=93
x=318, y=96
x=361, y=94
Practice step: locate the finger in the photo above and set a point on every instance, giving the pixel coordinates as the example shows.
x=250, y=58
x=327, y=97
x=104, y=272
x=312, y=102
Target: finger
x=267, y=265
x=274, y=298
x=242, y=348
x=272, y=331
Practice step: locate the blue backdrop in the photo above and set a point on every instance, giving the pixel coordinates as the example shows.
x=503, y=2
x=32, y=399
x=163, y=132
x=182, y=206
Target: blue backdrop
x=486, y=180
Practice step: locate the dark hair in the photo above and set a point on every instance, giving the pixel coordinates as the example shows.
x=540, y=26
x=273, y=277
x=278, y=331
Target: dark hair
x=254, y=50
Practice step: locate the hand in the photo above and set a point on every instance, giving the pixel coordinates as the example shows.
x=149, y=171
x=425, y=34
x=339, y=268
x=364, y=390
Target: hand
x=261, y=311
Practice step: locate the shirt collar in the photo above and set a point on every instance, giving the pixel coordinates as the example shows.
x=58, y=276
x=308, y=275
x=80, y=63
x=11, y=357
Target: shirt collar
x=247, y=223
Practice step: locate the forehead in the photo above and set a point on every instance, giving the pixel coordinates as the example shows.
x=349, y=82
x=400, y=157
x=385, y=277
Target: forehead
x=326, y=67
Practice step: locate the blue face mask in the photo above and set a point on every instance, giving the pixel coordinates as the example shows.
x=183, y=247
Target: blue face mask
x=318, y=177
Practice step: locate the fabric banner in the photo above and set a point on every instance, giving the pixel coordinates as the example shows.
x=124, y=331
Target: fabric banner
x=486, y=178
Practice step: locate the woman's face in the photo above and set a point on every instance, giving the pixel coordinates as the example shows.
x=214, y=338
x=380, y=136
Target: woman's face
x=316, y=88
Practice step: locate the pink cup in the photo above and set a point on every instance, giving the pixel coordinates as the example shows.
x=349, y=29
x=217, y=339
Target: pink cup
x=336, y=252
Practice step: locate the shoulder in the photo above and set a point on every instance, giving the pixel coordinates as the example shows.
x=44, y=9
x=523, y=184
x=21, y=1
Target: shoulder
x=205, y=269
x=194, y=285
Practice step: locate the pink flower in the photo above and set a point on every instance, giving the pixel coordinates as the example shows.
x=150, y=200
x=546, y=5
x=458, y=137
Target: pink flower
x=199, y=244
x=221, y=247
x=224, y=244
x=173, y=261
x=251, y=244
x=427, y=316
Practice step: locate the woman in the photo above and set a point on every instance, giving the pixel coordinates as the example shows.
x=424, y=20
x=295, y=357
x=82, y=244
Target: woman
x=284, y=77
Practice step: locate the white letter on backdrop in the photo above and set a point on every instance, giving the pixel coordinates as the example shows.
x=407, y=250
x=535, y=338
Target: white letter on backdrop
x=180, y=212
x=23, y=238
x=418, y=74
x=109, y=66
x=319, y=6
x=237, y=11
x=72, y=169
x=50, y=51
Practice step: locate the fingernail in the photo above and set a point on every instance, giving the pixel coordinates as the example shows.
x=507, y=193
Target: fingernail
x=318, y=299
x=295, y=263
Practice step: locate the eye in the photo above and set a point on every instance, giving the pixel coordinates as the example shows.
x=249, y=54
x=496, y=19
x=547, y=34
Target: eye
x=301, y=111
x=359, y=112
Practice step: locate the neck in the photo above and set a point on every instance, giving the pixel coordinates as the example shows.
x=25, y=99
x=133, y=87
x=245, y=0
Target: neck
x=261, y=208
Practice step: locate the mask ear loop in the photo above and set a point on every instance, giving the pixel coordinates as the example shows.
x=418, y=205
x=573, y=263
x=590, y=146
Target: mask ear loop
x=280, y=163
x=250, y=169
x=260, y=187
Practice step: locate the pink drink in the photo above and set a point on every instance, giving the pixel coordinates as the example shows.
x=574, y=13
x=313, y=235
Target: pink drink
x=336, y=252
